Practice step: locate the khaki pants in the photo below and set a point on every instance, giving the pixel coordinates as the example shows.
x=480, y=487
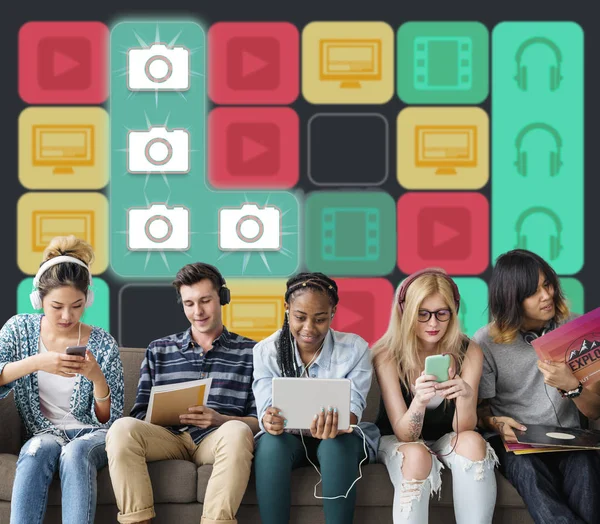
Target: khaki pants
x=131, y=443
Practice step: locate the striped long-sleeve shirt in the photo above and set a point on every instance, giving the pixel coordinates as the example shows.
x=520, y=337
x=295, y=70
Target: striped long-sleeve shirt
x=177, y=358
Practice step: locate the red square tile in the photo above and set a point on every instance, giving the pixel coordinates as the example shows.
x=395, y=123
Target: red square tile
x=364, y=307
x=63, y=62
x=447, y=229
x=253, y=147
x=253, y=63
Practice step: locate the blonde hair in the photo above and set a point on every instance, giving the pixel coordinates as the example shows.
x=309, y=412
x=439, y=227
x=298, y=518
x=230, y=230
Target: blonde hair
x=67, y=273
x=400, y=343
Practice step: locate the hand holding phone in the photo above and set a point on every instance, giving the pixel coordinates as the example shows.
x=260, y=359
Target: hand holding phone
x=439, y=366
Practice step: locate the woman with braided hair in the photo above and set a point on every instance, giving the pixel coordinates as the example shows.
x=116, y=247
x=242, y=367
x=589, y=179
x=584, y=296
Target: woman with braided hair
x=306, y=346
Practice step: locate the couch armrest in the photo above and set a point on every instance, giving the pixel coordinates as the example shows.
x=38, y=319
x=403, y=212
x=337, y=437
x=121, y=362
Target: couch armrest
x=11, y=436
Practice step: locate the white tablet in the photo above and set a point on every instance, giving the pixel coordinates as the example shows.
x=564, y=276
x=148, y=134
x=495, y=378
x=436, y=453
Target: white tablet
x=300, y=399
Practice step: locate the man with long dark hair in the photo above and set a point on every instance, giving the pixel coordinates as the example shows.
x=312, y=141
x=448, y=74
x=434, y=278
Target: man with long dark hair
x=516, y=389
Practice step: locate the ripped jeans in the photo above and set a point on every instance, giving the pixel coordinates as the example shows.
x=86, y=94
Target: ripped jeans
x=77, y=457
x=473, y=483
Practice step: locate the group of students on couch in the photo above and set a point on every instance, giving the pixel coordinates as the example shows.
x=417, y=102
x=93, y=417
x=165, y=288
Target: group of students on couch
x=72, y=406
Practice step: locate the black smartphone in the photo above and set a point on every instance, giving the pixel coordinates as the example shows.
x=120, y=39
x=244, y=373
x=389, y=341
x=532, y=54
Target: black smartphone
x=76, y=350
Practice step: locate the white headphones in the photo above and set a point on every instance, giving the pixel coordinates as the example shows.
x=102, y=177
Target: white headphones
x=34, y=297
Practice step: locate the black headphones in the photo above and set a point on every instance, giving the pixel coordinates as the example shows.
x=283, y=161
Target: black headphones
x=224, y=293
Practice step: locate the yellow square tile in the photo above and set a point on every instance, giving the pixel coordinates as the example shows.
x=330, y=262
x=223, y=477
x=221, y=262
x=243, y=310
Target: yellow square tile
x=442, y=148
x=348, y=62
x=63, y=148
x=256, y=309
x=42, y=216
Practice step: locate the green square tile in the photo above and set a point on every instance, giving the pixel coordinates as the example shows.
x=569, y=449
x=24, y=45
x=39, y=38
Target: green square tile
x=350, y=233
x=473, y=312
x=98, y=314
x=574, y=293
x=442, y=62
x=538, y=142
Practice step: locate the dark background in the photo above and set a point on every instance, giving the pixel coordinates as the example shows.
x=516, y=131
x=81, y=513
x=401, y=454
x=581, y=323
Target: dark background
x=151, y=312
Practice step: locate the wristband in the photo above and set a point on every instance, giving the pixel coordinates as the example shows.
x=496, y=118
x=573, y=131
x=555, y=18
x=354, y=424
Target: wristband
x=102, y=399
x=572, y=393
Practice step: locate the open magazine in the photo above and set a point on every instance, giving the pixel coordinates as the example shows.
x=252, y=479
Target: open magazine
x=577, y=344
x=519, y=448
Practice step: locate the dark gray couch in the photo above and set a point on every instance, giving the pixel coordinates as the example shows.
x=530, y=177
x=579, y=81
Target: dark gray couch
x=179, y=486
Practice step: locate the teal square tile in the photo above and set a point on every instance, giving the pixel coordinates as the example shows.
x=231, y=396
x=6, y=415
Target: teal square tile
x=473, y=312
x=442, y=62
x=350, y=233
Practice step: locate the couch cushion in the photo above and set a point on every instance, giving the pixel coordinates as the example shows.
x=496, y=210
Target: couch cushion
x=132, y=359
x=374, y=489
x=173, y=481
x=11, y=429
x=8, y=466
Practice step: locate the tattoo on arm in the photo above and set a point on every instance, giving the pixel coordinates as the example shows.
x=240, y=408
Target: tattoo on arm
x=415, y=424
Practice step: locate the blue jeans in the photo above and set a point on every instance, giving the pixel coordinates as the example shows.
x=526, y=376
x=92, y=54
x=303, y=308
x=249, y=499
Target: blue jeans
x=77, y=457
x=561, y=488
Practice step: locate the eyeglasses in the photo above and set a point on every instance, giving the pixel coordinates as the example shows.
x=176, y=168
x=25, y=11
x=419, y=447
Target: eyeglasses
x=443, y=315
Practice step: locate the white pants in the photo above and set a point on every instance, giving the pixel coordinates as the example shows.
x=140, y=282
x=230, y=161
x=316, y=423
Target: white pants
x=473, y=482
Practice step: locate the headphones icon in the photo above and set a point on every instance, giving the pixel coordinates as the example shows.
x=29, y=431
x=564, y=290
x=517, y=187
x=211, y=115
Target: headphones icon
x=555, y=244
x=555, y=160
x=555, y=76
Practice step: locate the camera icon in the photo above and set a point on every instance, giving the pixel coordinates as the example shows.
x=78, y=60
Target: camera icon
x=158, y=150
x=158, y=228
x=158, y=68
x=250, y=228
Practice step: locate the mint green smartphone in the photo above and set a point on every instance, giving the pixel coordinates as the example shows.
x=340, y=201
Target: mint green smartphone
x=438, y=365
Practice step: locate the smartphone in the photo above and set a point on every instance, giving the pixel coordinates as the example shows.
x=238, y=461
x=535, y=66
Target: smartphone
x=76, y=350
x=438, y=365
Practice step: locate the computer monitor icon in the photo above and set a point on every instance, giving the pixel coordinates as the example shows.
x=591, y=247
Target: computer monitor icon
x=445, y=147
x=63, y=147
x=350, y=61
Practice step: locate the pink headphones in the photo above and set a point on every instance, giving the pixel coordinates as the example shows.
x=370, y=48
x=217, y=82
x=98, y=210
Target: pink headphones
x=428, y=271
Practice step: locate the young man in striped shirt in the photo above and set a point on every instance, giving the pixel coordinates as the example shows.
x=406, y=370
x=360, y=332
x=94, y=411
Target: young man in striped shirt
x=220, y=433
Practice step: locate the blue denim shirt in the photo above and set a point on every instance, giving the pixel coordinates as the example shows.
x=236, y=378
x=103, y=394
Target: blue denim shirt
x=344, y=355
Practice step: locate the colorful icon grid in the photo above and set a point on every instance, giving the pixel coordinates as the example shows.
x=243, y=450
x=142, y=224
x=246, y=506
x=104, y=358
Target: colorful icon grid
x=63, y=146
x=230, y=185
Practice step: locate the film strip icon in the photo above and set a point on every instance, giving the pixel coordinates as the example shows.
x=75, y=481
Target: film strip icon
x=351, y=248
x=431, y=52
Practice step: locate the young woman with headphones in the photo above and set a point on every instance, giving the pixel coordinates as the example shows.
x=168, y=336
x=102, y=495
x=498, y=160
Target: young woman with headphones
x=426, y=424
x=66, y=401
x=306, y=346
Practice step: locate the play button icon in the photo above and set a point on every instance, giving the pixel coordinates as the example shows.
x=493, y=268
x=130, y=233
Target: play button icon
x=444, y=232
x=253, y=148
x=363, y=307
x=445, y=229
x=253, y=63
x=64, y=63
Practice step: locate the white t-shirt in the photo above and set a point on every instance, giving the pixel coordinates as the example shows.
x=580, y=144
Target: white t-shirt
x=55, y=397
